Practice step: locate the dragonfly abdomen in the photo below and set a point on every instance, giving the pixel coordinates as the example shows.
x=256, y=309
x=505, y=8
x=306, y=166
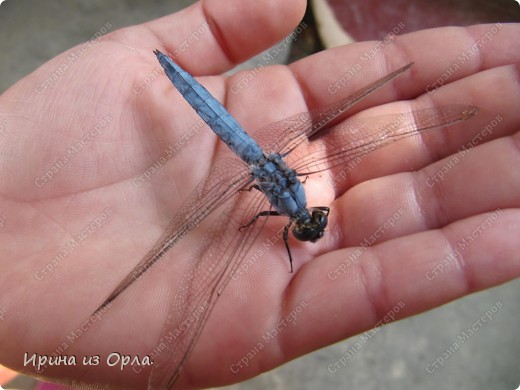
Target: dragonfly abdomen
x=211, y=111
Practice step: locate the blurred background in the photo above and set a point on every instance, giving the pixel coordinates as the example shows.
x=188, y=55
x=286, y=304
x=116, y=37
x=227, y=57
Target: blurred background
x=398, y=355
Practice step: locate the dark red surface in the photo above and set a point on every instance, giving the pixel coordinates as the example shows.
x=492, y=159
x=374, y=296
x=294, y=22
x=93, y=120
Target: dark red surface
x=374, y=19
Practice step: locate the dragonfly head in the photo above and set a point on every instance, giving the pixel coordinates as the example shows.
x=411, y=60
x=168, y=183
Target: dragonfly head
x=313, y=228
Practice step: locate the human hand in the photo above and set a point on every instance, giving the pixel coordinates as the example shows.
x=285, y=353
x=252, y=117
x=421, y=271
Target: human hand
x=101, y=181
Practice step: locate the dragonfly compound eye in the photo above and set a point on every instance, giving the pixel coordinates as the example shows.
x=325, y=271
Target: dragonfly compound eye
x=312, y=230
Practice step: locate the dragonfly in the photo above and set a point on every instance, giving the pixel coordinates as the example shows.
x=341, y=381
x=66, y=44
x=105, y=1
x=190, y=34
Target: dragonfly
x=260, y=178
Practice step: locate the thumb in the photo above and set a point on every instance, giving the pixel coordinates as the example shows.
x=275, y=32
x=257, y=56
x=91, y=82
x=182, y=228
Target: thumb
x=217, y=34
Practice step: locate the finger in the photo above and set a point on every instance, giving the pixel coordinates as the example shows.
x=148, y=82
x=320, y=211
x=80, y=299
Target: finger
x=496, y=118
x=475, y=180
x=460, y=186
x=212, y=36
x=441, y=56
x=362, y=286
x=334, y=74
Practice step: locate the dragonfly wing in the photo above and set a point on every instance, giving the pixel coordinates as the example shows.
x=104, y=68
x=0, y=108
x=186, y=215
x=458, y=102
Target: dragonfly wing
x=222, y=181
x=357, y=137
x=285, y=135
x=207, y=273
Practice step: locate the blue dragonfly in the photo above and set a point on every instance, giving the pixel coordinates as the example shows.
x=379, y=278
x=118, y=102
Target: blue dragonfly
x=261, y=178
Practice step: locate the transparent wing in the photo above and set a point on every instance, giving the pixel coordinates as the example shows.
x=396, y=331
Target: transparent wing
x=222, y=181
x=209, y=208
x=285, y=135
x=207, y=273
x=357, y=137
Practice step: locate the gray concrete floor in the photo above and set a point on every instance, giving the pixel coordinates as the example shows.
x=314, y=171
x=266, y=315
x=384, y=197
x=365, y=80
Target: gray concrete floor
x=394, y=358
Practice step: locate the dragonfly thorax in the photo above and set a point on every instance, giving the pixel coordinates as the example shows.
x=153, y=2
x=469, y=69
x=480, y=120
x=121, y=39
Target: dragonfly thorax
x=280, y=184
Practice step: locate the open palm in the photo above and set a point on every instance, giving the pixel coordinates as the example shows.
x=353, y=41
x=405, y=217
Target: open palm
x=98, y=154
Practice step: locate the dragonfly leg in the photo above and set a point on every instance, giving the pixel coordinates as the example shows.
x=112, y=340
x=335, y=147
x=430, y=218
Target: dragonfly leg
x=252, y=187
x=286, y=242
x=260, y=214
x=285, y=230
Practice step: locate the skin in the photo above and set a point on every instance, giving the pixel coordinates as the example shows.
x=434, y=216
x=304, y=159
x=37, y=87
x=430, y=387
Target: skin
x=39, y=219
